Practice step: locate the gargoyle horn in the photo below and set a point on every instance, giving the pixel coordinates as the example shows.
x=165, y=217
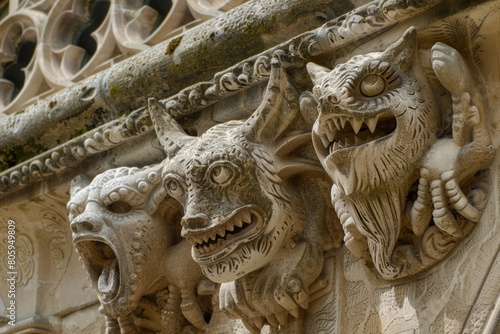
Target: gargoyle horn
x=404, y=50
x=277, y=111
x=317, y=73
x=171, y=135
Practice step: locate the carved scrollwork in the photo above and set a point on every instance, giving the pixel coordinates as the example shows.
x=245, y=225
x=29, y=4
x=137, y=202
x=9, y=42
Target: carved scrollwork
x=25, y=255
x=421, y=188
x=105, y=137
x=124, y=228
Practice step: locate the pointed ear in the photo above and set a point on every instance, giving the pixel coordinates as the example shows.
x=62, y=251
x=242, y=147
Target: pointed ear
x=277, y=110
x=404, y=51
x=78, y=183
x=317, y=73
x=171, y=135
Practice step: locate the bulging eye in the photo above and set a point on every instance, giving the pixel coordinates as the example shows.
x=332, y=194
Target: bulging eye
x=221, y=174
x=174, y=188
x=372, y=85
x=120, y=207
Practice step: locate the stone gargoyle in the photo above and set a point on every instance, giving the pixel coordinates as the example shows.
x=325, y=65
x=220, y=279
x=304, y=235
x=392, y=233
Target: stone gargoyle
x=125, y=229
x=406, y=190
x=255, y=211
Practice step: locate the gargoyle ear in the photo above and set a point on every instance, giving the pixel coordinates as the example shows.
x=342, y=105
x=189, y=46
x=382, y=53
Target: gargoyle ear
x=78, y=183
x=171, y=135
x=317, y=73
x=277, y=111
x=403, y=52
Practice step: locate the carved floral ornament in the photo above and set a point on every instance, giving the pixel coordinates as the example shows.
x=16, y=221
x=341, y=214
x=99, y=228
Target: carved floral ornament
x=393, y=173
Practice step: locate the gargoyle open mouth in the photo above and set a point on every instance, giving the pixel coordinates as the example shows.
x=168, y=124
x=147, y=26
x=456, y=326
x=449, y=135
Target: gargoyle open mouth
x=341, y=132
x=102, y=265
x=242, y=225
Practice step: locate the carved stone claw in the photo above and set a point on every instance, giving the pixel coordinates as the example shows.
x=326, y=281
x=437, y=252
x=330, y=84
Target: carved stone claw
x=451, y=69
x=421, y=211
x=457, y=198
x=443, y=218
x=191, y=309
x=127, y=325
x=112, y=326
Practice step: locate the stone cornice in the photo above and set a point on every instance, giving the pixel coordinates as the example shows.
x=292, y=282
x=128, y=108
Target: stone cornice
x=372, y=18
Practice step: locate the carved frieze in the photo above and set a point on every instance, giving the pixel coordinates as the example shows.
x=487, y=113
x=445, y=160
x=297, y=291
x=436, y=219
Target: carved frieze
x=345, y=180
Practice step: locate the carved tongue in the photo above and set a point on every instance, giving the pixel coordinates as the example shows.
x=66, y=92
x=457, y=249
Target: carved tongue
x=109, y=280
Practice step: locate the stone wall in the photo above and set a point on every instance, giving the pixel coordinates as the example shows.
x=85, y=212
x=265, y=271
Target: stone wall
x=249, y=166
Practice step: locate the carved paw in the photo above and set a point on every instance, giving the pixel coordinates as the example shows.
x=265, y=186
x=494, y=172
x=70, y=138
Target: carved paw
x=444, y=192
x=451, y=69
x=270, y=295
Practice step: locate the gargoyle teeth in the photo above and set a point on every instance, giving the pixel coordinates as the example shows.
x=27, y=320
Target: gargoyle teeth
x=234, y=228
x=336, y=135
x=356, y=124
x=324, y=140
x=330, y=136
x=246, y=218
x=372, y=123
x=343, y=120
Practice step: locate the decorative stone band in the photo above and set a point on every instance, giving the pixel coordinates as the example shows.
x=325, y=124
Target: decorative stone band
x=369, y=19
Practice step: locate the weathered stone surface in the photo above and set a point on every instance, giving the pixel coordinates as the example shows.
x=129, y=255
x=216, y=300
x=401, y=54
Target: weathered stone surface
x=159, y=71
x=344, y=181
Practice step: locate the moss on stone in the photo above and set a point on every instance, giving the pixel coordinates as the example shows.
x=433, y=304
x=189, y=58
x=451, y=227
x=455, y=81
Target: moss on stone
x=172, y=45
x=14, y=155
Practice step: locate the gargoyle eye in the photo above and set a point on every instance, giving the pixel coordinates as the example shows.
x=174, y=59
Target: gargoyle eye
x=120, y=207
x=372, y=85
x=174, y=188
x=221, y=174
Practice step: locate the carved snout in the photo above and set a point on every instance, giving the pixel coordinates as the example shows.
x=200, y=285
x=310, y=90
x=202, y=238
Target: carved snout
x=86, y=223
x=196, y=221
x=329, y=99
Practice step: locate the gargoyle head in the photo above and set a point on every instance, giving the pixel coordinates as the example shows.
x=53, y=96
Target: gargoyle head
x=236, y=208
x=122, y=224
x=377, y=117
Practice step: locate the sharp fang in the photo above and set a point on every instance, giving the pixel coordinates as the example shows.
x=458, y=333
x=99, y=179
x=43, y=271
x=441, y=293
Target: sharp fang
x=246, y=217
x=325, y=141
x=238, y=223
x=229, y=228
x=372, y=123
x=337, y=123
x=331, y=136
x=330, y=124
x=342, y=121
x=356, y=124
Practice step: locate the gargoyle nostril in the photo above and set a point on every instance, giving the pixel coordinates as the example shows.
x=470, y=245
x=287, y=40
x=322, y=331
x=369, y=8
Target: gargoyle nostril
x=85, y=226
x=195, y=221
x=332, y=99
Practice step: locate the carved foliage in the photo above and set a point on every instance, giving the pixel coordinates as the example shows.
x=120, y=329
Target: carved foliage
x=380, y=133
